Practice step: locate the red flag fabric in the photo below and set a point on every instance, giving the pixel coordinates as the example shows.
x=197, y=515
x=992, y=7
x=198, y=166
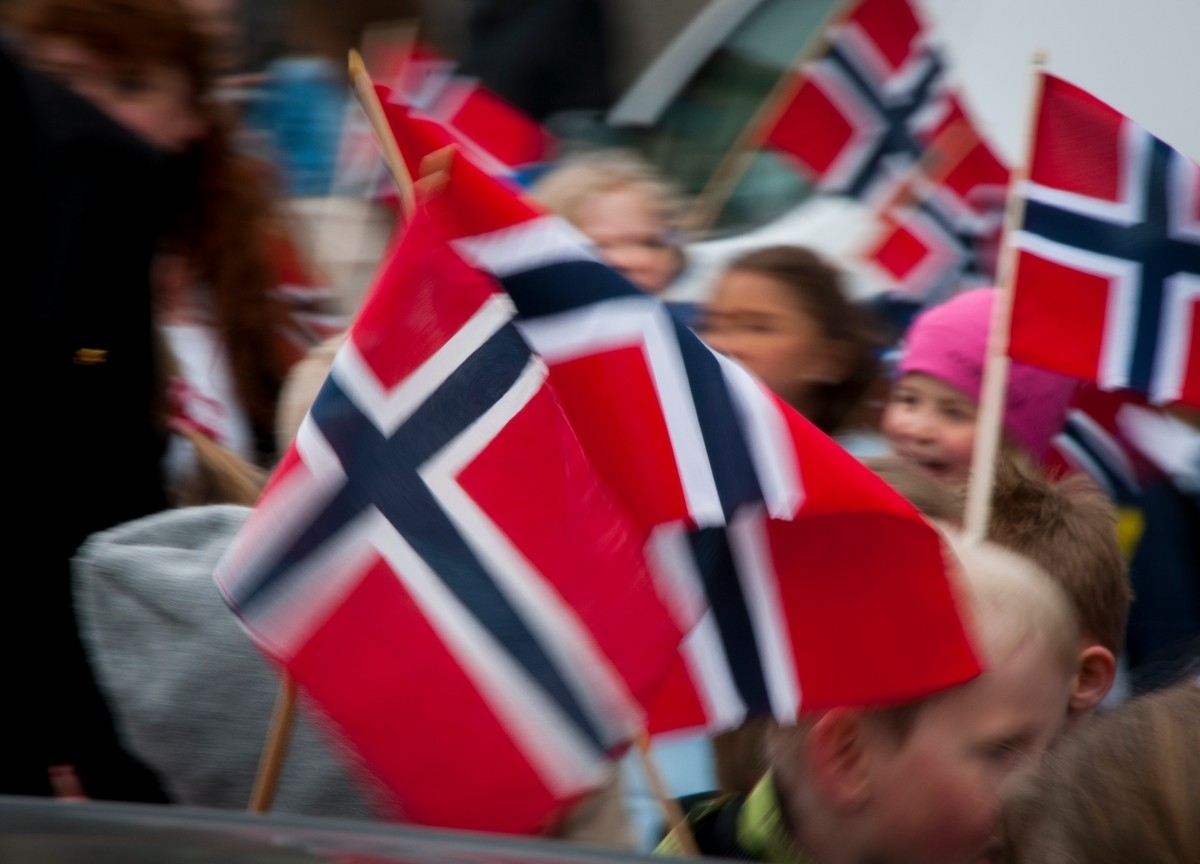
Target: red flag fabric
x=496, y=135
x=1107, y=284
x=437, y=565
x=749, y=508
x=430, y=106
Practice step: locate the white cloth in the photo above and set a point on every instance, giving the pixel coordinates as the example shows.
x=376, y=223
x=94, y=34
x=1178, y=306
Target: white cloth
x=190, y=695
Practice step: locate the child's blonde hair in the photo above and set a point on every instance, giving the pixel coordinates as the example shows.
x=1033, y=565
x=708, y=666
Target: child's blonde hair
x=1014, y=602
x=1124, y=787
x=569, y=186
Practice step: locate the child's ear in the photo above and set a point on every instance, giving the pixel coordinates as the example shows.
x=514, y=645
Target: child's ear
x=1097, y=671
x=838, y=759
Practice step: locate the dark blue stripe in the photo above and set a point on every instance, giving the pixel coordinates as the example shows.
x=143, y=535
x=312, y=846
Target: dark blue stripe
x=382, y=473
x=551, y=289
x=715, y=563
x=1146, y=243
x=724, y=439
x=896, y=115
x=574, y=285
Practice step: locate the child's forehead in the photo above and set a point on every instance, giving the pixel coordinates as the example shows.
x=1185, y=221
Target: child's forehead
x=1023, y=688
x=932, y=387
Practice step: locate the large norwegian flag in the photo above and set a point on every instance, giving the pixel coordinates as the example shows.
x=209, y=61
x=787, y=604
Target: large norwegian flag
x=1107, y=285
x=941, y=233
x=437, y=565
x=860, y=115
x=756, y=518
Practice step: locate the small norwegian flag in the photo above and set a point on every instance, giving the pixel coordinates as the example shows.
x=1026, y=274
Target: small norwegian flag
x=941, y=233
x=861, y=114
x=1107, y=284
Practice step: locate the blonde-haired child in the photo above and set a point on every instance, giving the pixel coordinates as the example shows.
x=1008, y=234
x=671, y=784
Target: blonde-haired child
x=624, y=206
x=917, y=783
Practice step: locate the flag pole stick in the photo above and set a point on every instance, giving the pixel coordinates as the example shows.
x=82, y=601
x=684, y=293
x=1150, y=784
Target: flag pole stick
x=270, y=766
x=708, y=205
x=995, y=374
x=672, y=812
x=369, y=99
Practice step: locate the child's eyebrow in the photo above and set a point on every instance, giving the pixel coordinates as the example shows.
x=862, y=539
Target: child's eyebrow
x=958, y=402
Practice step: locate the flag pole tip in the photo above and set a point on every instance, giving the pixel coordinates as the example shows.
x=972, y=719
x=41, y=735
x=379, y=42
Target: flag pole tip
x=355, y=64
x=1040, y=56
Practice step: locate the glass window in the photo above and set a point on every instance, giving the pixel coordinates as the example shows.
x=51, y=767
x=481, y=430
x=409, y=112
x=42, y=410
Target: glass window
x=702, y=123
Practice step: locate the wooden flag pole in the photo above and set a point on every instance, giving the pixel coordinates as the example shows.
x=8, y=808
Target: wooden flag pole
x=672, y=812
x=270, y=766
x=995, y=374
x=736, y=161
x=364, y=89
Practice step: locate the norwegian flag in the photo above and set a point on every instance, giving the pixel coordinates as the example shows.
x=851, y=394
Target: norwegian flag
x=860, y=115
x=941, y=235
x=755, y=516
x=1110, y=249
x=492, y=133
x=439, y=107
x=436, y=564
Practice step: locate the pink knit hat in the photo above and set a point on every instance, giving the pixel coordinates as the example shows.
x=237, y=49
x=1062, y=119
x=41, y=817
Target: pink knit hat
x=949, y=342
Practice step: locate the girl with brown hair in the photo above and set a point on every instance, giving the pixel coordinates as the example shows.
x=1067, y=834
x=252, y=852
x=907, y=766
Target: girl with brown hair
x=235, y=303
x=782, y=313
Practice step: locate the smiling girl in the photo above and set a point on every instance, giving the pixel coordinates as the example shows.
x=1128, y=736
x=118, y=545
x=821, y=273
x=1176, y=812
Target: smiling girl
x=930, y=415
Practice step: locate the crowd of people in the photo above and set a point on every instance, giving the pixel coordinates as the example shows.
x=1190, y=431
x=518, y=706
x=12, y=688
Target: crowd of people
x=183, y=331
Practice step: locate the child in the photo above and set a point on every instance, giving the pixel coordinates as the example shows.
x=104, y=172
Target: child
x=930, y=415
x=919, y=782
x=783, y=314
x=1125, y=787
x=1068, y=528
x=623, y=206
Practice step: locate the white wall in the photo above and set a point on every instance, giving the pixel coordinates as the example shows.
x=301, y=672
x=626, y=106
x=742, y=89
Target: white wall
x=1140, y=56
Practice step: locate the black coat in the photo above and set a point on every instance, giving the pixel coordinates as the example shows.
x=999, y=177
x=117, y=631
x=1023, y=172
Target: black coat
x=85, y=194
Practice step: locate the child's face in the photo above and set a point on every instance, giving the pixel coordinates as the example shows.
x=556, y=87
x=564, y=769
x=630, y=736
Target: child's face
x=757, y=321
x=631, y=236
x=154, y=102
x=937, y=795
x=932, y=424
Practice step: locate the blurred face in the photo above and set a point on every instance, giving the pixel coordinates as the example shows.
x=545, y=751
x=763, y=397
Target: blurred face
x=936, y=797
x=932, y=424
x=757, y=320
x=154, y=103
x=630, y=234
